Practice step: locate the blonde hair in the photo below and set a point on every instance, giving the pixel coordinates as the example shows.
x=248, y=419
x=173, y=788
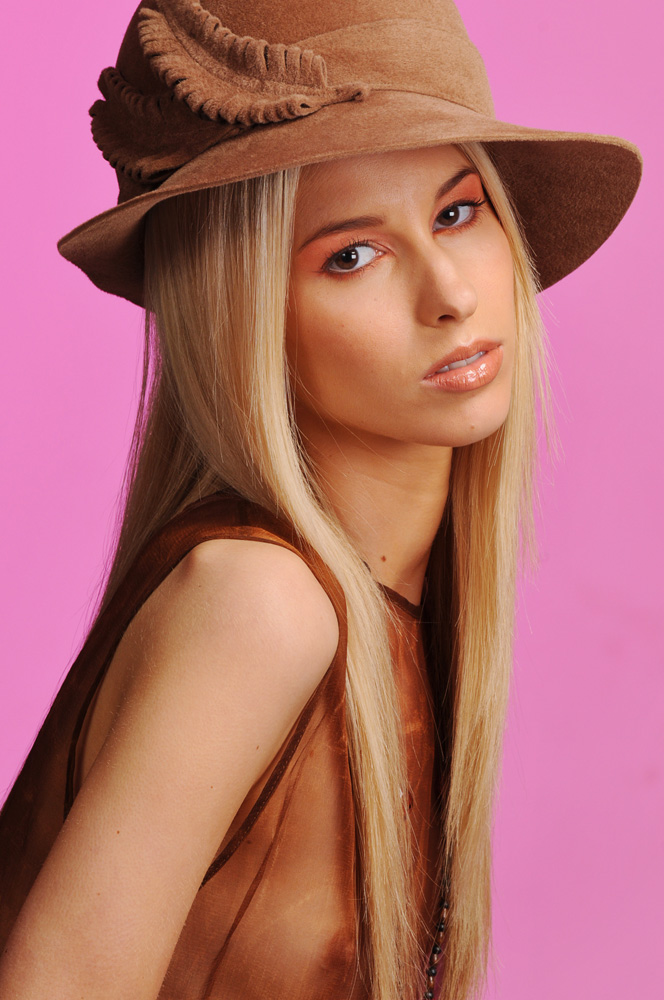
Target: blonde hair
x=216, y=410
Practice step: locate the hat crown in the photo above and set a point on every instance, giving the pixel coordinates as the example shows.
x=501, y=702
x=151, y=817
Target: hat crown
x=193, y=73
x=290, y=22
x=387, y=34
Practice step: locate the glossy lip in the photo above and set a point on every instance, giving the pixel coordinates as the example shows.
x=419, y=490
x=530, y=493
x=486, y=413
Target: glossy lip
x=469, y=377
x=461, y=353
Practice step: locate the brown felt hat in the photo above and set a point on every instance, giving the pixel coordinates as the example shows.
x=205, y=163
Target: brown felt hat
x=203, y=96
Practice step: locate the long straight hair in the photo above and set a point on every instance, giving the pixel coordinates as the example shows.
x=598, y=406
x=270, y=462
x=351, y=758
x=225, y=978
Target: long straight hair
x=217, y=410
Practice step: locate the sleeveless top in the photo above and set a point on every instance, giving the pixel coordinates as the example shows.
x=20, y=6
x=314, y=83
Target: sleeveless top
x=277, y=911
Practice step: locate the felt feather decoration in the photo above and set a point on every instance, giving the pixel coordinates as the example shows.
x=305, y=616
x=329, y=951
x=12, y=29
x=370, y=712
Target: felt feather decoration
x=216, y=85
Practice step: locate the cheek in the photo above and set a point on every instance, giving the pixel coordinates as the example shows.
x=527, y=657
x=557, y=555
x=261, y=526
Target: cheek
x=503, y=274
x=495, y=284
x=326, y=343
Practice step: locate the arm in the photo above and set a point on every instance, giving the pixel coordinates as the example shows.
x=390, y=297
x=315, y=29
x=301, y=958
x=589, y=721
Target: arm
x=224, y=656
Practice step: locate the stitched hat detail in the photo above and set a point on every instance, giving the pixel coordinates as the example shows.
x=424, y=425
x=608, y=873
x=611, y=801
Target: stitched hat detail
x=218, y=84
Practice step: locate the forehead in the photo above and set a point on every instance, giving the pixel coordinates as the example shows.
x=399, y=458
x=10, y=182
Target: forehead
x=395, y=175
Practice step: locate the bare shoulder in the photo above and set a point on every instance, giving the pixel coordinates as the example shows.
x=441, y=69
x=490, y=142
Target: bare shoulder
x=234, y=612
x=261, y=567
x=244, y=622
x=221, y=660
x=262, y=587
x=216, y=667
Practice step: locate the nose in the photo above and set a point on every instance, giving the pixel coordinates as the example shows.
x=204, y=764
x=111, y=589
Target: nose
x=443, y=288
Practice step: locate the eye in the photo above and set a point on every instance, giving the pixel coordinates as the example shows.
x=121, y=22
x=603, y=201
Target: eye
x=459, y=215
x=349, y=257
x=461, y=212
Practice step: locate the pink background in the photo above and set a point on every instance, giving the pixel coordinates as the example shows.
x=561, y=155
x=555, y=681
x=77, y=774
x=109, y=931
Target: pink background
x=579, y=883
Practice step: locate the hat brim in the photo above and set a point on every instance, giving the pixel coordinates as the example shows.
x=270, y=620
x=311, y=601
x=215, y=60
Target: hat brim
x=570, y=189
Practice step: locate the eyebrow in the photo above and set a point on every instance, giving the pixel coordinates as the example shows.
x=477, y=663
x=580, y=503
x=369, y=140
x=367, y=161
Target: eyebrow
x=360, y=221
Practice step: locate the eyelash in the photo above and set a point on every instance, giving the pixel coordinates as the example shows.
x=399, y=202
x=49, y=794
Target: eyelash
x=477, y=204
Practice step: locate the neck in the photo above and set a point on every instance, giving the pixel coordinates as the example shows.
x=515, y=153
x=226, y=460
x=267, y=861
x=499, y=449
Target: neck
x=389, y=496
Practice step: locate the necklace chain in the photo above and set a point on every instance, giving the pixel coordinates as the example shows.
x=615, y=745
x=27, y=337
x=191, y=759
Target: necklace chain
x=439, y=935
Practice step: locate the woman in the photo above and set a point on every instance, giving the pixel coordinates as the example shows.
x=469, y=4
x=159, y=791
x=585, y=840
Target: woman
x=378, y=429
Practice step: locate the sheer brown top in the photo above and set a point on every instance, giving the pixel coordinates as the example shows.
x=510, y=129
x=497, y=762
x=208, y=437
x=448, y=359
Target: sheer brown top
x=277, y=911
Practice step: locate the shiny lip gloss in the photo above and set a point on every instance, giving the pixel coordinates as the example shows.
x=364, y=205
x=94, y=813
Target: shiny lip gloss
x=472, y=376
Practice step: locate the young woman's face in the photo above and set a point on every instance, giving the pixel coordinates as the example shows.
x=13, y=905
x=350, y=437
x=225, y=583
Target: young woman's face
x=429, y=282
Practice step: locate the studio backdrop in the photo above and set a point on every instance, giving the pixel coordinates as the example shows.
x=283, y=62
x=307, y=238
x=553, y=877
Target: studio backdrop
x=579, y=857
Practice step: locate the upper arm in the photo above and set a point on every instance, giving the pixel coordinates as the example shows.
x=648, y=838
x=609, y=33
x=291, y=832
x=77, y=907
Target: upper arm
x=222, y=658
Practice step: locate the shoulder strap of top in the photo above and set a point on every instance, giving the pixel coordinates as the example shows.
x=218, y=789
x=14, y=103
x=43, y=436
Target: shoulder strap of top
x=33, y=812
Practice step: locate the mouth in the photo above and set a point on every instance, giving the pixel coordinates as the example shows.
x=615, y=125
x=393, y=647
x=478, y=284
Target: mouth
x=461, y=357
x=461, y=364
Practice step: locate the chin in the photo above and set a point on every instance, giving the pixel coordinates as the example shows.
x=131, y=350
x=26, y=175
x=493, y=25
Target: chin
x=480, y=434
x=471, y=431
